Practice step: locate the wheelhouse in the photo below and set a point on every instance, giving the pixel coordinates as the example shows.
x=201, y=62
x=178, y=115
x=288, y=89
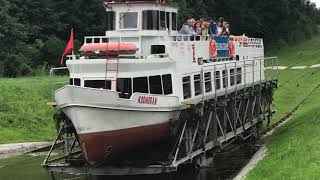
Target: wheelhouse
x=149, y=18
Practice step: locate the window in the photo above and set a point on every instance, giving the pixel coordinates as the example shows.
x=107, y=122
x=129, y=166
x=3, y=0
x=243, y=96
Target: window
x=110, y=20
x=197, y=84
x=217, y=80
x=129, y=20
x=155, y=84
x=224, y=78
x=98, y=84
x=150, y=20
x=239, y=75
x=124, y=87
x=167, y=84
x=168, y=20
x=174, y=21
x=207, y=82
x=140, y=84
x=186, y=87
x=163, y=23
x=158, y=49
x=75, y=81
x=232, y=77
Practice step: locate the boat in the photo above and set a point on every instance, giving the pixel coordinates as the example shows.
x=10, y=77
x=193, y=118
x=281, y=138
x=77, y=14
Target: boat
x=128, y=87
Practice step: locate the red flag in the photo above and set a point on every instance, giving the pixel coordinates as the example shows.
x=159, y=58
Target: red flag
x=69, y=47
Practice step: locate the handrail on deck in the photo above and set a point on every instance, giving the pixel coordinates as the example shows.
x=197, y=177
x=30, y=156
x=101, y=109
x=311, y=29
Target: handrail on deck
x=180, y=37
x=52, y=80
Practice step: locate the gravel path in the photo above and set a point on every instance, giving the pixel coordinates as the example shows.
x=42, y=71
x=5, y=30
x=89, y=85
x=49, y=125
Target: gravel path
x=8, y=150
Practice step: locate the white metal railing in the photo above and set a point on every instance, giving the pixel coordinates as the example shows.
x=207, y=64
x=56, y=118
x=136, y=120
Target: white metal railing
x=180, y=37
x=248, y=68
x=53, y=81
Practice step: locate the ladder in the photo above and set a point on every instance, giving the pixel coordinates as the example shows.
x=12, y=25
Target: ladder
x=116, y=70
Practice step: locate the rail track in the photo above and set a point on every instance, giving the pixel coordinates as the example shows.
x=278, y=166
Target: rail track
x=289, y=113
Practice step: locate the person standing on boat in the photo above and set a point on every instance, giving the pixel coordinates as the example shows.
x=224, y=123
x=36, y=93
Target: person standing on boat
x=220, y=26
x=188, y=28
x=213, y=28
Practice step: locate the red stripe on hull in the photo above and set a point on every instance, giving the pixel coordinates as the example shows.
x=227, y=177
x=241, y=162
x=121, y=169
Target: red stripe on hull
x=112, y=144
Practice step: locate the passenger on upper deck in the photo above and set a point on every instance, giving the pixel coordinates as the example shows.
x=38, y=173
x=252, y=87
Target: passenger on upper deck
x=213, y=28
x=226, y=29
x=188, y=28
x=204, y=28
x=197, y=27
x=220, y=26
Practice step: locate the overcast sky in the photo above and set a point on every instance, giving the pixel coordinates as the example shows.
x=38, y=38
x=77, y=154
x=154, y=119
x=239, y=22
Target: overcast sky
x=317, y=2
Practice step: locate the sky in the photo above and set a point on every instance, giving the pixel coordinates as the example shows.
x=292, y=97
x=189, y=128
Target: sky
x=317, y=2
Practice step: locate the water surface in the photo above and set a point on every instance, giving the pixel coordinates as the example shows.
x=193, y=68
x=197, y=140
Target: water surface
x=227, y=164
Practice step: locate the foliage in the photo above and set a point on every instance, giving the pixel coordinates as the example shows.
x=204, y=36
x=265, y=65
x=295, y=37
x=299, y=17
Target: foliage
x=33, y=33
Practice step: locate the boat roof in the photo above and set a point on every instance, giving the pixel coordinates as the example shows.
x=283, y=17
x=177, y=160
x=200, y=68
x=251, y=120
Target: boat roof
x=110, y=4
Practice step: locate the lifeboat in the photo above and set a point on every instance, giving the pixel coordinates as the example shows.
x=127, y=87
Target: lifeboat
x=108, y=49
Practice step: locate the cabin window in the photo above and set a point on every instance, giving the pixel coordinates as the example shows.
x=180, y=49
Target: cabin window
x=207, y=82
x=232, y=77
x=186, y=87
x=224, y=78
x=98, y=84
x=163, y=23
x=128, y=20
x=96, y=40
x=110, y=20
x=217, y=80
x=167, y=84
x=168, y=20
x=158, y=49
x=124, y=87
x=197, y=84
x=75, y=81
x=155, y=84
x=150, y=20
x=239, y=75
x=140, y=84
x=174, y=21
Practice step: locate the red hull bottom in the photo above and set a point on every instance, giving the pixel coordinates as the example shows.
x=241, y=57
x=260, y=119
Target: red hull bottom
x=108, y=145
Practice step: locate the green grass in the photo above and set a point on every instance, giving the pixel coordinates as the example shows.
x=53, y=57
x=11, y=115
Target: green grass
x=295, y=84
x=24, y=114
x=294, y=149
x=302, y=54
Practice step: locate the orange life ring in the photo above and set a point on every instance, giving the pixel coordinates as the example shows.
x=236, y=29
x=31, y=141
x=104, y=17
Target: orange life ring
x=213, y=49
x=231, y=49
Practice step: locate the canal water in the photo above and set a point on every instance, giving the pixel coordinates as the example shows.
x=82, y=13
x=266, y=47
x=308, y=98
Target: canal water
x=227, y=163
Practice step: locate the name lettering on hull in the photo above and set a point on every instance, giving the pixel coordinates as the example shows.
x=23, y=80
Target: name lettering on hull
x=147, y=100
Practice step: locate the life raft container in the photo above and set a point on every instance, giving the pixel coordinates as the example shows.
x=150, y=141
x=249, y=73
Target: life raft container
x=108, y=49
x=232, y=52
x=213, y=49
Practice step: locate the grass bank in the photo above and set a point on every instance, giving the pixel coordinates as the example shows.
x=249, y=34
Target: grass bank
x=24, y=115
x=294, y=149
x=295, y=84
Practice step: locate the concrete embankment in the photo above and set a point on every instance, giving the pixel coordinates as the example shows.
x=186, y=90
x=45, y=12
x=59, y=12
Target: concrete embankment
x=8, y=150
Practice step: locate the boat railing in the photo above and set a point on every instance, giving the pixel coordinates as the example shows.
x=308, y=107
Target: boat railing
x=261, y=69
x=180, y=37
x=57, y=79
x=187, y=39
